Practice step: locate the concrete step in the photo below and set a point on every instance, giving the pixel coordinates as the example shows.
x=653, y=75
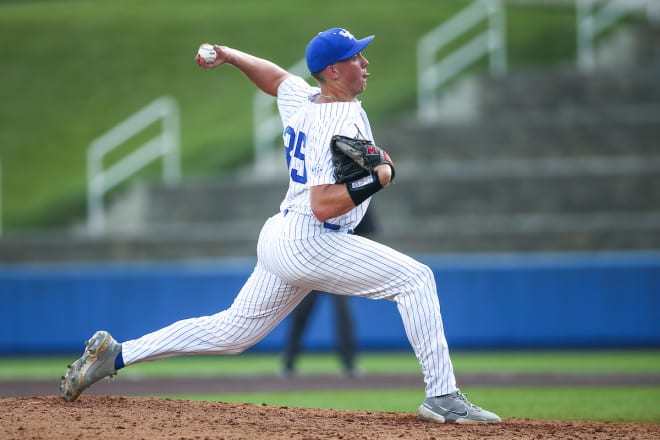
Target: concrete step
x=176, y=244
x=566, y=88
x=225, y=200
x=430, y=195
x=508, y=136
x=481, y=186
x=524, y=232
x=415, y=234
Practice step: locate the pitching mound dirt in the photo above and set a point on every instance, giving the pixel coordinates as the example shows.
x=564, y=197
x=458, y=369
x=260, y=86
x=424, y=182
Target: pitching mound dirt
x=103, y=417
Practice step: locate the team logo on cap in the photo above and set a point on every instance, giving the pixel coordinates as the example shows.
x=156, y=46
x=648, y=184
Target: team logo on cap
x=345, y=33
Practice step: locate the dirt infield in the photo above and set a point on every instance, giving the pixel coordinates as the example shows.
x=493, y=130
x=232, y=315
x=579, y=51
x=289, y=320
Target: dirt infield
x=114, y=410
x=105, y=417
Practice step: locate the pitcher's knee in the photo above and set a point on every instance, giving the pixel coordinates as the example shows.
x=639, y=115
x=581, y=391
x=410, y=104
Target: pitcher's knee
x=420, y=278
x=425, y=275
x=225, y=345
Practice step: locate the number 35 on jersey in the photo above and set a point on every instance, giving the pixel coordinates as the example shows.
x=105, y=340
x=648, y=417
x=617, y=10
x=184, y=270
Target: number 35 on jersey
x=295, y=154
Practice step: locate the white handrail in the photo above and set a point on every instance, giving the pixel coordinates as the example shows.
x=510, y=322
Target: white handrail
x=432, y=75
x=166, y=144
x=593, y=21
x=268, y=125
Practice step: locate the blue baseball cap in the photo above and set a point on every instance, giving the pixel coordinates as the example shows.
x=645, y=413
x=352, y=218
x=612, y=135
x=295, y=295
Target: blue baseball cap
x=332, y=46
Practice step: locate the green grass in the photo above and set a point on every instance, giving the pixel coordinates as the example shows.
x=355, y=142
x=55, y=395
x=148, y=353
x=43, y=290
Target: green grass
x=596, y=404
x=249, y=364
x=615, y=404
x=73, y=69
x=589, y=403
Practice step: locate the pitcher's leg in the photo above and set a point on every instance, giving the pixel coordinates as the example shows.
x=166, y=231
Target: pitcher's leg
x=419, y=308
x=373, y=270
x=261, y=304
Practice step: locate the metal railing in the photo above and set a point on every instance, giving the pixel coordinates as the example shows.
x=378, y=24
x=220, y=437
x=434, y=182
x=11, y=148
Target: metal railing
x=593, y=20
x=492, y=42
x=165, y=145
x=268, y=125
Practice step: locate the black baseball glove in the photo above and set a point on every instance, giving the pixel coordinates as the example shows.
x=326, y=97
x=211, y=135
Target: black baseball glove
x=356, y=158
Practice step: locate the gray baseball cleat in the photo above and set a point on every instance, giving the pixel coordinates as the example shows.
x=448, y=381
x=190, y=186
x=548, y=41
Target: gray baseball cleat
x=97, y=362
x=454, y=408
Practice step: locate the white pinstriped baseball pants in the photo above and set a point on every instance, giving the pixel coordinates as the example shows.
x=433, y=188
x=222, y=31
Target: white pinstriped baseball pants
x=296, y=255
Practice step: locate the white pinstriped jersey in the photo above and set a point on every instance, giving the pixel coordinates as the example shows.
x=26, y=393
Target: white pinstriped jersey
x=308, y=128
x=296, y=254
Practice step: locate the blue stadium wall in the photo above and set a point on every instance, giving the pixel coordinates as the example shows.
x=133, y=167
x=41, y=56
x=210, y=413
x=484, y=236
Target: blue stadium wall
x=488, y=301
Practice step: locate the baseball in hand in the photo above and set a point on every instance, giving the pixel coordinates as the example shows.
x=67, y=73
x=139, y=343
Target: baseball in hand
x=207, y=52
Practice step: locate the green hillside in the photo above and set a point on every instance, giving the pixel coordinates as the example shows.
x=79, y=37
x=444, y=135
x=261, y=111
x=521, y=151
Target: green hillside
x=71, y=70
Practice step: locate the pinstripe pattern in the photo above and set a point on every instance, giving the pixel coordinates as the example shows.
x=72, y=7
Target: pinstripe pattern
x=320, y=122
x=297, y=254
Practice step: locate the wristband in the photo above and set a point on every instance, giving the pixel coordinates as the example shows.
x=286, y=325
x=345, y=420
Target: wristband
x=361, y=189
